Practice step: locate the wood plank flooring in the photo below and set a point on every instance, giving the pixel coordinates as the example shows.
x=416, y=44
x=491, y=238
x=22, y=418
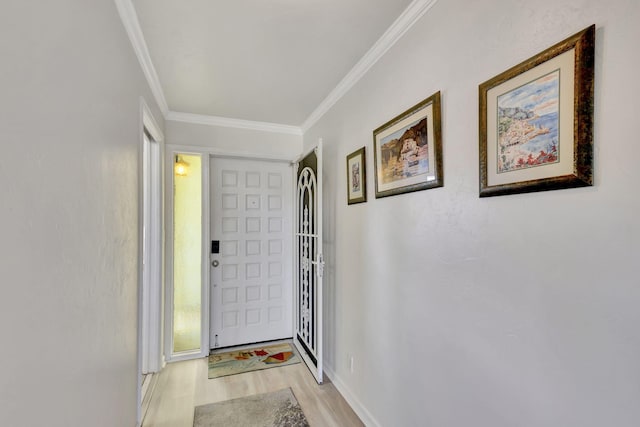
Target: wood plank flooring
x=184, y=385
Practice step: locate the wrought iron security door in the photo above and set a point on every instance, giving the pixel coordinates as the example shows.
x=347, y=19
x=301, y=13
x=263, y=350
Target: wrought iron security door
x=309, y=262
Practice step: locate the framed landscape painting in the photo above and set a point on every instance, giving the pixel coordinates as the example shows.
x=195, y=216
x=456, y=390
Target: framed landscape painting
x=536, y=121
x=408, y=150
x=356, y=177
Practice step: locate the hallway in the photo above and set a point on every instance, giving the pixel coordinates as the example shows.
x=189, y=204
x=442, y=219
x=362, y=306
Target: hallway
x=184, y=385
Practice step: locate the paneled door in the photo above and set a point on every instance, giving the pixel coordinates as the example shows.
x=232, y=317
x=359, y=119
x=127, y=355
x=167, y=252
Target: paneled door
x=309, y=263
x=251, y=251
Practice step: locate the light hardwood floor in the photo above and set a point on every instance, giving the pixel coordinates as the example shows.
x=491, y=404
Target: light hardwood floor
x=184, y=385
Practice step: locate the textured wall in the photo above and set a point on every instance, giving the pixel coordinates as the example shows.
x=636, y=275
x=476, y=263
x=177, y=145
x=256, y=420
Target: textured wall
x=516, y=310
x=69, y=125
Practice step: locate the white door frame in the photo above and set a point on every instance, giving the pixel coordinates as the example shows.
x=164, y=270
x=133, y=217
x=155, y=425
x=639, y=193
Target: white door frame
x=151, y=297
x=206, y=153
x=149, y=334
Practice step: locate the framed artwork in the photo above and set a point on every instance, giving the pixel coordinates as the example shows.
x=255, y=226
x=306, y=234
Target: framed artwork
x=536, y=121
x=408, y=150
x=356, y=177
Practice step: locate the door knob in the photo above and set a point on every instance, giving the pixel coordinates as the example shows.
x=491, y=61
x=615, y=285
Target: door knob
x=215, y=263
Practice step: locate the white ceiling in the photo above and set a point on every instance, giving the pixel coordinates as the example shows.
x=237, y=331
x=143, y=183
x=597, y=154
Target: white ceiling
x=258, y=60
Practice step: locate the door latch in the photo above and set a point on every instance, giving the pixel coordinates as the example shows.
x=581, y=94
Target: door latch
x=320, y=265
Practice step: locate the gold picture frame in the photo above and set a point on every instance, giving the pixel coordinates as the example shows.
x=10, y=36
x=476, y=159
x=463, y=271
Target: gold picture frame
x=356, y=177
x=536, y=121
x=408, y=150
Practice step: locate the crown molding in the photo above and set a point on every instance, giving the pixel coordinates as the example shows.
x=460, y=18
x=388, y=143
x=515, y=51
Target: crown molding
x=400, y=26
x=232, y=123
x=131, y=24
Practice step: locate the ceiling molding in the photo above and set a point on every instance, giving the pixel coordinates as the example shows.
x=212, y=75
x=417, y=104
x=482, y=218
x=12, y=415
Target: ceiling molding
x=399, y=27
x=232, y=123
x=130, y=21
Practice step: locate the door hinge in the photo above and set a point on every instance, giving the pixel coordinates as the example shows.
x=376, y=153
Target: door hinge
x=215, y=341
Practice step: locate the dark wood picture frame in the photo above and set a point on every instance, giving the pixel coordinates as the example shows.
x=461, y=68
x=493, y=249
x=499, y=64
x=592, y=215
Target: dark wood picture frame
x=357, y=177
x=507, y=132
x=408, y=150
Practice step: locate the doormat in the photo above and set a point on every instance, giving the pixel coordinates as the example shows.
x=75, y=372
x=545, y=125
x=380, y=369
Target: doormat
x=253, y=359
x=275, y=409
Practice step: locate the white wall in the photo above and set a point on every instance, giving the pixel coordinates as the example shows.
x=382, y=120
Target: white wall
x=518, y=310
x=69, y=126
x=225, y=140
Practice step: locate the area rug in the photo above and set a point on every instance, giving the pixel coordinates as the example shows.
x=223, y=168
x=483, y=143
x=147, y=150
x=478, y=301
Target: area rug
x=276, y=409
x=254, y=359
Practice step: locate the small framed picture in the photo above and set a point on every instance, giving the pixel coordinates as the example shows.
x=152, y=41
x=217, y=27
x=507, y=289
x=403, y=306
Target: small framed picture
x=356, y=177
x=536, y=121
x=408, y=150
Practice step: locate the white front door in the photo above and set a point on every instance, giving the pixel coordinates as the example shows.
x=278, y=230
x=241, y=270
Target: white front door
x=251, y=258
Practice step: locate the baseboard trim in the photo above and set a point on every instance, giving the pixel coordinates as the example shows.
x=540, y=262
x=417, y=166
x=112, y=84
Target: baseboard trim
x=148, y=395
x=357, y=406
